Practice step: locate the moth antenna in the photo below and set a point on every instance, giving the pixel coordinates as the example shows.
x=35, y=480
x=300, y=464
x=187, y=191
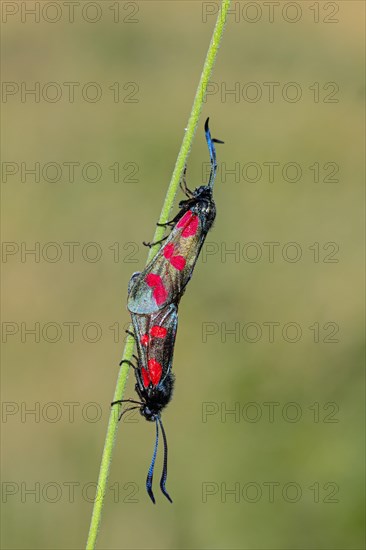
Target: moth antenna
x=150, y=473
x=165, y=465
x=212, y=151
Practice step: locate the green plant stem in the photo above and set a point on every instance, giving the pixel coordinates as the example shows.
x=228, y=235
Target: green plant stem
x=192, y=121
x=164, y=216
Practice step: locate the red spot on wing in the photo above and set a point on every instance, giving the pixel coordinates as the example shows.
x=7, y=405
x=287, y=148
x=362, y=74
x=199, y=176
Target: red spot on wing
x=144, y=339
x=158, y=332
x=160, y=294
x=185, y=219
x=145, y=377
x=153, y=280
x=159, y=291
x=191, y=228
x=189, y=222
x=178, y=262
x=155, y=370
x=169, y=250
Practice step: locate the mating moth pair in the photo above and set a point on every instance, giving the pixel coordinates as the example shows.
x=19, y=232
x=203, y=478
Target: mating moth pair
x=153, y=298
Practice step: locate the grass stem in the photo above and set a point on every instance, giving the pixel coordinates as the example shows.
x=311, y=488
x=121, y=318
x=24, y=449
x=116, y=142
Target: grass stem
x=164, y=216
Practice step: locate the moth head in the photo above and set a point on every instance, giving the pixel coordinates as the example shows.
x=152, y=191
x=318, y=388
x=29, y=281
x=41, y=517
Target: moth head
x=149, y=414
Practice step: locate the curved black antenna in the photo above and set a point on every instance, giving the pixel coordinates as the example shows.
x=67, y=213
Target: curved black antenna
x=212, y=150
x=150, y=473
x=165, y=464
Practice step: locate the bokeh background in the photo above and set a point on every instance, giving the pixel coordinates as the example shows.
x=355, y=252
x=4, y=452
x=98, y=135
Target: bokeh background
x=286, y=469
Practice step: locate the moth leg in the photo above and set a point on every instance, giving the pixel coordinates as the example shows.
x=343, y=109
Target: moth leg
x=128, y=409
x=136, y=358
x=185, y=189
x=120, y=401
x=177, y=217
x=157, y=242
x=128, y=363
x=130, y=334
x=166, y=224
x=137, y=405
x=183, y=184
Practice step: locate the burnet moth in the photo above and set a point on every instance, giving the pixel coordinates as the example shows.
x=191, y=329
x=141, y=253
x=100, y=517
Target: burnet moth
x=165, y=278
x=155, y=337
x=153, y=298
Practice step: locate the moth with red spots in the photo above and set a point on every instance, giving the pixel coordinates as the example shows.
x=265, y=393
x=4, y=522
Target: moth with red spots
x=165, y=278
x=155, y=337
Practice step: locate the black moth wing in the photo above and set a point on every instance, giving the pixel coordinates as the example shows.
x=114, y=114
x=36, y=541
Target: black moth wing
x=146, y=298
x=155, y=337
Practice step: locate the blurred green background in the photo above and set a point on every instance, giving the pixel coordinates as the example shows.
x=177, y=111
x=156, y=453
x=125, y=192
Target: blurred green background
x=293, y=452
